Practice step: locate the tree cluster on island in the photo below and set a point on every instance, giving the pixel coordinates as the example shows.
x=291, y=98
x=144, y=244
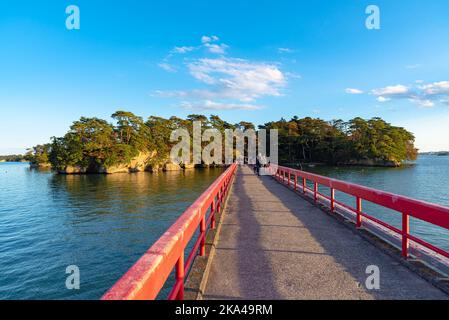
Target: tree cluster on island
x=371, y=142
x=12, y=158
x=94, y=144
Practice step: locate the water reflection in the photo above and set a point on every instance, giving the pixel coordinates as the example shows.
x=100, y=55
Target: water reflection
x=100, y=223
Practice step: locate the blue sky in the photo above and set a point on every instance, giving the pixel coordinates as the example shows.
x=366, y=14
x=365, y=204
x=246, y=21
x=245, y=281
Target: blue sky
x=243, y=60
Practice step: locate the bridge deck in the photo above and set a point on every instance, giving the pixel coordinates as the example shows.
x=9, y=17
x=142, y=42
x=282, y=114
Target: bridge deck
x=275, y=245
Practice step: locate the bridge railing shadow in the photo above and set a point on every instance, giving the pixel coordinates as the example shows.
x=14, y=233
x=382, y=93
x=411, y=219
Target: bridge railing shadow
x=353, y=253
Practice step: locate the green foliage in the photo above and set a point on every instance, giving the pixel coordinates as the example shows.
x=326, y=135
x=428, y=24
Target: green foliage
x=337, y=142
x=13, y=158
x=39, y=154
x=91, y=142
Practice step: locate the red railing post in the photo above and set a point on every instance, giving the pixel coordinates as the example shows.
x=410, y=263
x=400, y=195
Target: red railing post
x=332, y=199
x=180, y=273
x=203, y=237
x=145, y=279
x=225, y=190
x=359, y=212
x=289, y=177
x=428, y=212
x=405, y=233
x=212, y=212
x=218, y=205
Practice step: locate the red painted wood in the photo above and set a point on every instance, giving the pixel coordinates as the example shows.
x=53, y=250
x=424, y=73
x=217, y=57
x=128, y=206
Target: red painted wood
x=147, y=276
x=428, y=212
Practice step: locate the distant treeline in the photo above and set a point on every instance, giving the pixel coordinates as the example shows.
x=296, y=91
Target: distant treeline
x=93, y=142
x=357, y=141
x=435, y=153
x=12, y=158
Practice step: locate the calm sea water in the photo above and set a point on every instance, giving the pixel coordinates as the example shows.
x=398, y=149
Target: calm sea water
x=102, y=224
x=426, y=179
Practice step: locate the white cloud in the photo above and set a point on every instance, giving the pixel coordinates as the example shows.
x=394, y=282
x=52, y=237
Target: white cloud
x=285, y=50
x=423, y=103
x=213, y=105
x=391, y=90
x=183, y=49
x=167, y=67
x=237, y=78
x=207, y=39
x=436, y=88
x=353, y=91
x=424, y=95
x=383, y=99
x=217, y=48
x=226, y=83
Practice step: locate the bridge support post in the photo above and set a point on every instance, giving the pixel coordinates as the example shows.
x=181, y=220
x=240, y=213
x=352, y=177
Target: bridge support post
x=296, y=182
x=315, y=191
x=332, y=200
x=359, y=213
x=180, y=274
x=212, y=212
x=405, y=233
x=203, y=238
x=304, y=185
x=218, y=204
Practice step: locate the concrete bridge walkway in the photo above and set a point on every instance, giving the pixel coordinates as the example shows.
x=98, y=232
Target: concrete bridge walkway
x=275, y=245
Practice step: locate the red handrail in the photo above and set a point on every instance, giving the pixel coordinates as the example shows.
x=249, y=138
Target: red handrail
x=145, y=279
x=429, y=212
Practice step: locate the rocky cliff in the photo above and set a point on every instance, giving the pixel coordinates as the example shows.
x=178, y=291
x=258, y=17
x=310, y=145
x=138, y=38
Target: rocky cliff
x=145, y=161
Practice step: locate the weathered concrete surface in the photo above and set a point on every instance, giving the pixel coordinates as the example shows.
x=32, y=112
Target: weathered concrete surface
x=275, y=245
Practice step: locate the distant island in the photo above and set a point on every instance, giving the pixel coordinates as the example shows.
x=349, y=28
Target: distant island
x=435, y=153
x=93, y=145
x=13, y=158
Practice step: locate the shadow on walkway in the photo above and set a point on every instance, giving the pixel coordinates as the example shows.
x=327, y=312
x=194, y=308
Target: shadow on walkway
x=276, y=245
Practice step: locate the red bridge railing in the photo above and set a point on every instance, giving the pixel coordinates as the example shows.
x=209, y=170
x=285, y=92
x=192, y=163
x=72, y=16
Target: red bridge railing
x=408, y=207
x=146, y=278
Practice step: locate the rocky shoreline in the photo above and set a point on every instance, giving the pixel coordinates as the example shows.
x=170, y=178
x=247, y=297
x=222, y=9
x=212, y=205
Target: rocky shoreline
x=144, y=162
x=374, y=163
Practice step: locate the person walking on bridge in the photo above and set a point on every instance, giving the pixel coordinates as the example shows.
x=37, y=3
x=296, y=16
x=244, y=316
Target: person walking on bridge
x=258, y=164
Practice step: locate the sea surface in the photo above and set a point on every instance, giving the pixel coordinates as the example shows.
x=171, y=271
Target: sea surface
x=426, y=179
x=103, y=224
